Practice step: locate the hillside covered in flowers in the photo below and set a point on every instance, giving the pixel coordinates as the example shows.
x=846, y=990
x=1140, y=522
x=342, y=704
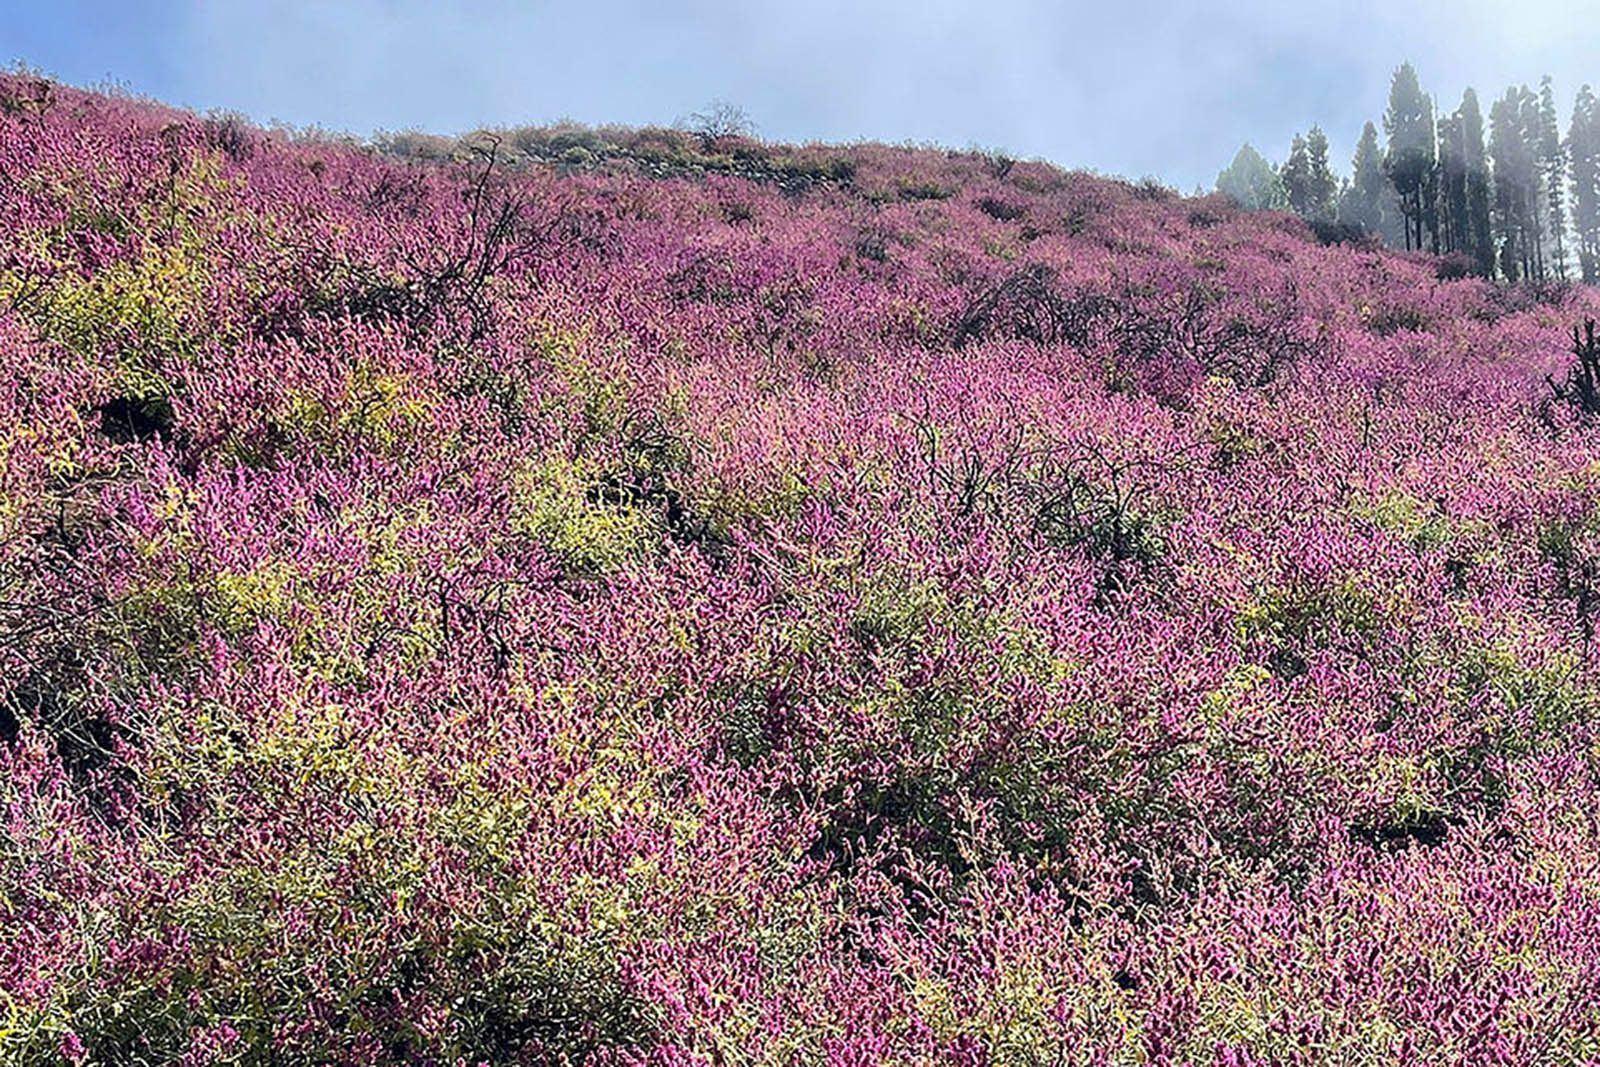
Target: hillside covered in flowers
x=721, y=603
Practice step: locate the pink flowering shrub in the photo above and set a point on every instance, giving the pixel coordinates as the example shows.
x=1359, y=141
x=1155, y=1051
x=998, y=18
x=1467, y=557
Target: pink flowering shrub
x=663, y=603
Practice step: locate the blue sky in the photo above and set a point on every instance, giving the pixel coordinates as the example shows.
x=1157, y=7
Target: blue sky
x=1167, y=88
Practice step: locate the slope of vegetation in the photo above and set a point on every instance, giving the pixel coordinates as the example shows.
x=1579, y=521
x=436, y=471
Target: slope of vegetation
x=943, y=610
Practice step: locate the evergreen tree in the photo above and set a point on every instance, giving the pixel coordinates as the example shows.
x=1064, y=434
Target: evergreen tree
x=1515, y=185
x=1321, y=186
x=1452, y=201
x=1394, y=218
x=1479, y=235
x=1503, y=138
x=1553, y=171
x=1362, y=203
x=1521, y=201
x=1296, y=176
x=1429, y=194
x=1533, y=176
x=1583, y=148
x=1251, y=182
x=1410, y=159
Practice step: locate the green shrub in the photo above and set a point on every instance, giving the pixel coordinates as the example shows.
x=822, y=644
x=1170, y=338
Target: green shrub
x=555, y=504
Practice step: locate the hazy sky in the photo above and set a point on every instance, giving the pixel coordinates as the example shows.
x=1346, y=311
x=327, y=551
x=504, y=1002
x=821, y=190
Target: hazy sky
x=1168, y=88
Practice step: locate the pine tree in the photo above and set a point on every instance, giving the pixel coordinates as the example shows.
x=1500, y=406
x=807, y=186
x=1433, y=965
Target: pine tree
x=1583, y=148
x=1410, y=159
x=1553, y=168
x=1296, y=177
x=1452, y=168
x=1507, y=202
x=1532, y=174
x=1479, y=236
x=1429, y=194
x=1321, y=186
x=1363, y=202
x=1251, y=181
x=1515, y=186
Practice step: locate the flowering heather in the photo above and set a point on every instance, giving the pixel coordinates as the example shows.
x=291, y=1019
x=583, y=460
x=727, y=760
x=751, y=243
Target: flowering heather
x=858, y=606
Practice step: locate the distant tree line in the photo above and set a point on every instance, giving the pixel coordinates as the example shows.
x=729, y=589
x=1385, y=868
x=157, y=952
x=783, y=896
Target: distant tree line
x=1522, y=203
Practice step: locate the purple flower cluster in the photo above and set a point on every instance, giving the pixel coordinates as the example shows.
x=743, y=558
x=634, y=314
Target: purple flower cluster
x=452, y=614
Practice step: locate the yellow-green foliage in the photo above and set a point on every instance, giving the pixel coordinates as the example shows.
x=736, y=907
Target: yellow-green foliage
x=380, y=410
x=898, y=611
x=1401, y=784
x=343, y=876
x=1542, y=700
x=244, y=599
x=552, y=503
x=895, y=608
x=55, y=439
x=1012, y=1012
x=1231, y=441
x=539, y=956
x=906, y=188
x=1422, y=526
x=1218, y=705
x=335, y=654
x=148, y=298
x=1242, y=1014
x=144, y=308
x=600, y=397
x=1298, y=615
x=354, y=873
x=256, y=929
x=1003, y=247
x=943, y=717
x=1564, y=542
x=775, y=495
x=152, y=626
x=1012, y=1021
